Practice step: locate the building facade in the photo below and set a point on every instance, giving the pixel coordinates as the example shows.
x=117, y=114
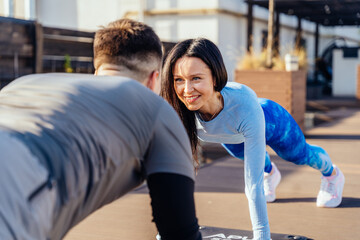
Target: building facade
x=23, y=9
x=222, y=21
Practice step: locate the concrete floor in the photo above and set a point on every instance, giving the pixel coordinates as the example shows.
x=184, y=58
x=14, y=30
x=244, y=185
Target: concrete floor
x=221, y=202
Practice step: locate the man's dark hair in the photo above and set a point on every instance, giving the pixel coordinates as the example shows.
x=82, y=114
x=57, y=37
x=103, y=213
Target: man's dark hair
x=129, y=44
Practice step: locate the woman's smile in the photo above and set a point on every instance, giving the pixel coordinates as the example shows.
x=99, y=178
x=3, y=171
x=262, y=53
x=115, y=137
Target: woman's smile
x=194, y=85
x=191, y=99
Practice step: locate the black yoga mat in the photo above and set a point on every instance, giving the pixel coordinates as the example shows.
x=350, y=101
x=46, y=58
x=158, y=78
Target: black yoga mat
x=215, y=233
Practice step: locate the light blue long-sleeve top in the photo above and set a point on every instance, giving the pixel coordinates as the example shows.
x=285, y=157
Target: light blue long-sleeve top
x=242, y=120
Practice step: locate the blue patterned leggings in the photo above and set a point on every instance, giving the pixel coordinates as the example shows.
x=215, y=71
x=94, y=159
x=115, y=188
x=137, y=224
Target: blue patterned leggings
x=285, y=137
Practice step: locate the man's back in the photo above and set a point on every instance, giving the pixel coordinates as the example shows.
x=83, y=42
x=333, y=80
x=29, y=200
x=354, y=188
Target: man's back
x=82, y=127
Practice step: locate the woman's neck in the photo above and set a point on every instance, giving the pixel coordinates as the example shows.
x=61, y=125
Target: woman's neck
x=214, y=109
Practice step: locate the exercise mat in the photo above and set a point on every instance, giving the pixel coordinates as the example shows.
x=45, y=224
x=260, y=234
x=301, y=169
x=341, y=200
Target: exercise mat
x=215, y=233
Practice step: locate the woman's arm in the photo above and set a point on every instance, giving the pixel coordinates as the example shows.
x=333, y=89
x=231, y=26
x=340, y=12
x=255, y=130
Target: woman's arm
x=253, y=128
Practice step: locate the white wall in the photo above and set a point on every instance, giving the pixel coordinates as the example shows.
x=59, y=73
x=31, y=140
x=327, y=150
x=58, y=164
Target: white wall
x=165, y=27
x=310, y=51
x=191, y=4
x=85, y=15
x=94, y=13
x=351, y=34
x=198, y=26
x=232, y=41
x=233, y=5
x=260, y=13
x=344, y=74
x=183, y=4
x=30, y=9
x=226, y=31
x=7, y=8
x=161, y=4
x=258, y=28
x=177, y=28
x=287, y=40
x=57, y=13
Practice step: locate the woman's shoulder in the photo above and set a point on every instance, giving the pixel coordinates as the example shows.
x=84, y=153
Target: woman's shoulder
x=241, y=105
x=236, y=91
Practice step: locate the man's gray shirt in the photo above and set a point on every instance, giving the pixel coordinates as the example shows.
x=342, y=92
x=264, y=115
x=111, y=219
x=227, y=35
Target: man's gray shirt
x=85, y=128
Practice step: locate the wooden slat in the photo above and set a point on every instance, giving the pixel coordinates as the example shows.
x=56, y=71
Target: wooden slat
x=39, y=48
x=8, y=62
x=61, y=48
x=14, y=37
x=23, y=50
x=14, y=32
x=67, y=32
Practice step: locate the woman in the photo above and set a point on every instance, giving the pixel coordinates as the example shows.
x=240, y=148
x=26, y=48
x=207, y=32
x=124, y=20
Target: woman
x=195, y=84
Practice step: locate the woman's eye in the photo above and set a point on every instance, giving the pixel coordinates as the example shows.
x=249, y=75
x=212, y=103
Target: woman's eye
x=196, y=78
x=178, y=80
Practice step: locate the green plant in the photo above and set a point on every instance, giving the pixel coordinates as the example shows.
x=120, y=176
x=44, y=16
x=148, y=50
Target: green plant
x=67, y=64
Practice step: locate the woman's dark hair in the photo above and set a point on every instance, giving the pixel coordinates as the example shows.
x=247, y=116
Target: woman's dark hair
x=208, y=52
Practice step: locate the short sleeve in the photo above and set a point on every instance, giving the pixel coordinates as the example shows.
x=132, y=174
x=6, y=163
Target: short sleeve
x=169, y=150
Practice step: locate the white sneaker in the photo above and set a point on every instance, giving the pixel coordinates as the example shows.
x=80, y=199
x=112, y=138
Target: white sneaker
x=331, y=189
x=271, y=182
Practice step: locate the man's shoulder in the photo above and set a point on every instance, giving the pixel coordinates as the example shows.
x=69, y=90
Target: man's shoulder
x=69, y=78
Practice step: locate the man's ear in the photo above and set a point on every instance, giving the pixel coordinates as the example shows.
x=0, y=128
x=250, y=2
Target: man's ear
x=153, y=82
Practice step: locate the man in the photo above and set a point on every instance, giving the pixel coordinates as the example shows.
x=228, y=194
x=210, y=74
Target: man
x=72, y=143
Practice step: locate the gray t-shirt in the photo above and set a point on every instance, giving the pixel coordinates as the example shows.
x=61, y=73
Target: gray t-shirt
x=83, y=128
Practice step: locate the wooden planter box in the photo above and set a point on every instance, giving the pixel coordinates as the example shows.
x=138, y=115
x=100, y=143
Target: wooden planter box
x=286, y=88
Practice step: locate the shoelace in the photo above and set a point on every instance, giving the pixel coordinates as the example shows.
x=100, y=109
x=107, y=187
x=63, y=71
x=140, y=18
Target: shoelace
x=327, y=186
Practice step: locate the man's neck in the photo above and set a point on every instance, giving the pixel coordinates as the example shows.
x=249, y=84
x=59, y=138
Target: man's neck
x=108, y=69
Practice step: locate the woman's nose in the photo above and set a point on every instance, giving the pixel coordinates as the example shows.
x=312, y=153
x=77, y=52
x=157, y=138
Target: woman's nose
x=188, y=87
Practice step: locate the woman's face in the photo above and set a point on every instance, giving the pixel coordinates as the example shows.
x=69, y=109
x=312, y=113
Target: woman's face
x=194, y=84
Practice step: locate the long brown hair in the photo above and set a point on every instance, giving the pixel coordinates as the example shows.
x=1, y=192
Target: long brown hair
x=208, y=52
